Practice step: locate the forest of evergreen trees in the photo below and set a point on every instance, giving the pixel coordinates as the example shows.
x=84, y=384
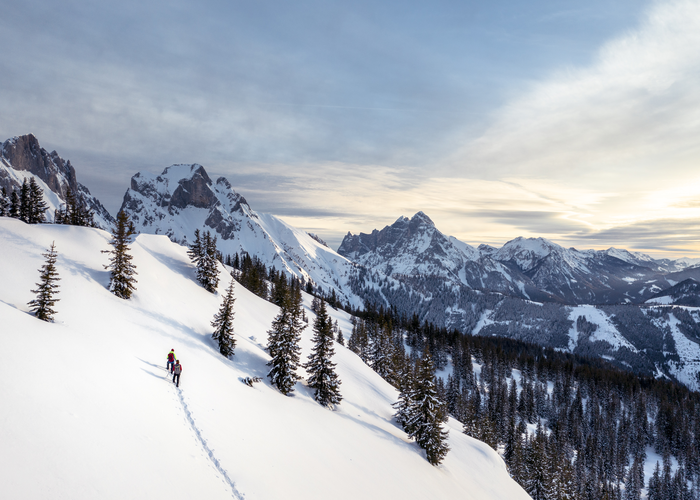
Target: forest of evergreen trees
x=567, y=426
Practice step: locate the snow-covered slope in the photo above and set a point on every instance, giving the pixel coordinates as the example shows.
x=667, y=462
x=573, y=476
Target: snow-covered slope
x=685, y=293
x=22, y=158
x=88, y=413
x=183, y=198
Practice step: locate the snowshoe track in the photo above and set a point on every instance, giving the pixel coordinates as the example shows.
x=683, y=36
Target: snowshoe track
x=210, y=453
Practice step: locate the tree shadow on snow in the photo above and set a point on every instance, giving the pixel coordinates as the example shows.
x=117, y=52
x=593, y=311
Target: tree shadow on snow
x=175, y=265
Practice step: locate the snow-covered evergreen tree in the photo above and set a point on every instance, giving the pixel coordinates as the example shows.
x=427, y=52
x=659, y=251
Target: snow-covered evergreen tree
x=283, y=342
x=4, y=203
x=223, y=324
x=405, y=406
x=321, y=370
x=14, y=205
x=426, y=413
x=42, y=305
x=122, y=271
x=204, y=256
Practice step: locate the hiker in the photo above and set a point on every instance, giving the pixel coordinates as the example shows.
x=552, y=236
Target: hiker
x=177, y=370
x=171, y=360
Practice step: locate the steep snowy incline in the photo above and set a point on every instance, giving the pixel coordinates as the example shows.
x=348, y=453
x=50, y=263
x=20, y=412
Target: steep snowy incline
x=183, y=198
x=87, y=412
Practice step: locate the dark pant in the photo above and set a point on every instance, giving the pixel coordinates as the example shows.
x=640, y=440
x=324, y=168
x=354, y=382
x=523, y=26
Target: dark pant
x=170, y=365
x=176, y=376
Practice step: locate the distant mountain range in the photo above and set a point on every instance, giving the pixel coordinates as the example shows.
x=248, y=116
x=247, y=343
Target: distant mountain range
x=610, y=303
x=529, y=268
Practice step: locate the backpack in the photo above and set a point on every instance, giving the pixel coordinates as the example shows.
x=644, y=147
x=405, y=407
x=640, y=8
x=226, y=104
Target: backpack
x=171, y=356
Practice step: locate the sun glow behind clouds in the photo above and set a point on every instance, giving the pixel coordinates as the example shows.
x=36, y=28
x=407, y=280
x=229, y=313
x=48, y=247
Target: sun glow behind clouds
x=597, y=156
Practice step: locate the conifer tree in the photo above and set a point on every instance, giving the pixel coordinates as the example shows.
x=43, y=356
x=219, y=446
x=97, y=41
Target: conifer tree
x=283, y=342
x=322, y=376
x=24, y=201
x=223, y=324
x=204, y=256
x=279, y=290
x=405, y=407
x=427, y=413
x=14, y=205
x=75, y=212
x=4, y=203
x=36, y=205
x=122, y=271
x=42, y=305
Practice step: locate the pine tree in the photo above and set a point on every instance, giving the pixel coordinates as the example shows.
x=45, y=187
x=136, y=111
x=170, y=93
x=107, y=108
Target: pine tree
x=322, y=376
x=211, y=266
x=24, y=201
x=204, y=256
x=36, y=205
x=121, y=281
x=427, y=413
x=15, y=205
x=283, y=342
x=4, y=203
x=405, y=407
x=223, y=324
x=74, y=213
x=42, y=305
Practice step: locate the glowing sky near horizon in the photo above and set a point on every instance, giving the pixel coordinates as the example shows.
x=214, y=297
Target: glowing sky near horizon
x=577, y=123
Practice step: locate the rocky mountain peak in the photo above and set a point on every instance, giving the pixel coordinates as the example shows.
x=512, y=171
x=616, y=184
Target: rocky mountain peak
x=24, y=153
x=23, y=156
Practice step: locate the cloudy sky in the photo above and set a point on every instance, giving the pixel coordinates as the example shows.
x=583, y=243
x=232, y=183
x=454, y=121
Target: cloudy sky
x=576, y=121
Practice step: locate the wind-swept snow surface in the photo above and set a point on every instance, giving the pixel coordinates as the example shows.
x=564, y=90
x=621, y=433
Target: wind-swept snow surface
x=88, y=412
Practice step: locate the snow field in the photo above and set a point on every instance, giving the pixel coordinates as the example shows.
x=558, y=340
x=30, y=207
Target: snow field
x=89, y=413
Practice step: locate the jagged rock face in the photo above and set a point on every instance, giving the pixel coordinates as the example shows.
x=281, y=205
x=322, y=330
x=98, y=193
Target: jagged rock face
x=409, y=247
x=183, y=198
x=532, y=268
x=415, y=247
x=23, y=156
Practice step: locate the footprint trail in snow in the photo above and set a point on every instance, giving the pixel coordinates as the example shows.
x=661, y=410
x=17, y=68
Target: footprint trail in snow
x=210, y=453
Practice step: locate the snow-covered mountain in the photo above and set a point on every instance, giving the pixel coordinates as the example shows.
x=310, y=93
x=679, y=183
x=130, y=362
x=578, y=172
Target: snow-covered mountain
x=88, y=411
x=22, y=157
x=184, y=198
x=414, y=248
x=530, y=268
x=685, y=293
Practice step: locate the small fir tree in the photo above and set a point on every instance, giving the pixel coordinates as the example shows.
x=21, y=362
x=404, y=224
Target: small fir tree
x=322, y=376
x=75, y=212
x=42, y=305
x=24, y=201
x=121, y=281
x=14, y=205
x=405, y=407
x=427, y=413
x=36, y=205
x=4, y=203
x=283, y=342
x=204, y=256
x=223, y=324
